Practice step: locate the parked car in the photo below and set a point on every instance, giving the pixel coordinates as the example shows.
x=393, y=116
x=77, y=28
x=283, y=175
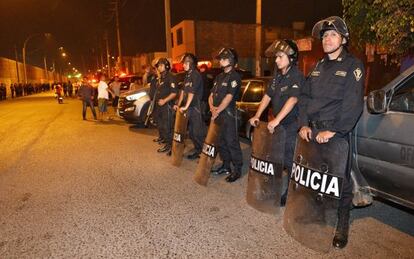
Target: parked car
x=383, y=145
x=252, y=92
x=133, y=105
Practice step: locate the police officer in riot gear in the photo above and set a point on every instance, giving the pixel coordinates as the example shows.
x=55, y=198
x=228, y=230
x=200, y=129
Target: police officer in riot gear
x=166, y=92
x=332, y=102
x=190, y=99
x=222, y=102
x=283, y=92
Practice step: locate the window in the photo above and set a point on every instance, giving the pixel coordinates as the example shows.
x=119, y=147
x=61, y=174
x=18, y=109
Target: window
x=254, y=93
x=403, y=98
x=180, y=36
x=172, y=40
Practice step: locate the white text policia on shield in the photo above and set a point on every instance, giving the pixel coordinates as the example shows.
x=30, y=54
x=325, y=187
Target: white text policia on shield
x=317, y=181
x=209, y=150
x=261, y=166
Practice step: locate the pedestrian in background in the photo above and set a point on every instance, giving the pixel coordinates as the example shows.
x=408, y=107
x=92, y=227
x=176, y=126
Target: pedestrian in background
x=86, y=94
x=12, y=89
x=103, y=97
x=115, y=87
x=134, y=85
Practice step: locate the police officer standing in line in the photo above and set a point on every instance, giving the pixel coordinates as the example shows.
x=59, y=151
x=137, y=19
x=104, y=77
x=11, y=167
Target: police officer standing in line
x=190, y=98
x=283, y=91
x=332, y=102
x=222, y=102
x=166, y=92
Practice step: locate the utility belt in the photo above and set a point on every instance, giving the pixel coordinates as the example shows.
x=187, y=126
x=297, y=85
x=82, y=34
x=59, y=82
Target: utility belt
x=232, y=113
x=321, y=124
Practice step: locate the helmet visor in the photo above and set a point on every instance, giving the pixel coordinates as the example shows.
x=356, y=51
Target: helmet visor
x=331, y=23
x=277, y=46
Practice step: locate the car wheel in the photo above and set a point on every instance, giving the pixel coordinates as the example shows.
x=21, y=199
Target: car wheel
x=143, y=112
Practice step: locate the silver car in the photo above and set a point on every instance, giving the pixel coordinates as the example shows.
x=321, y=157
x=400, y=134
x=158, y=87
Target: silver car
x=383, y=144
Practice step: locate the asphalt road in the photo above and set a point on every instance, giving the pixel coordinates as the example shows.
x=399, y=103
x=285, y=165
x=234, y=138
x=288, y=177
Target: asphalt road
x=71, y=188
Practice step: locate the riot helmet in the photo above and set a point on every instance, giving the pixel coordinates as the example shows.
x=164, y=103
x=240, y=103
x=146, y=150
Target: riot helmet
x=286, y=46
x=230, y=54
x=331, y=23
x=165, y=62
x=191, y=58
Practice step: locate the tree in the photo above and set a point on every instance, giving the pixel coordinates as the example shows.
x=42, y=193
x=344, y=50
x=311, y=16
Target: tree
x=386, y=23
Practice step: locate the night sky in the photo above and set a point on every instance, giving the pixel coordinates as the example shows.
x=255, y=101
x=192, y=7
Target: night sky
x=78, y=25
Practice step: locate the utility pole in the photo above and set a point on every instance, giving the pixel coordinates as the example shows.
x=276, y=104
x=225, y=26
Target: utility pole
x=258, y=37
x=118, y=32
x=167, y=28
x=54, y=71
x=108, y=56
x=101, y=54
x=17, y=64
x=46, y=70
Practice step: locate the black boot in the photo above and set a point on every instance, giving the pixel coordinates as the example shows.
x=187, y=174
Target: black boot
x=223, y=169
x=193, y=156
x=341, y=235
x=165, y=148
x=233, y=176
x=283, y=199
x=157, y=139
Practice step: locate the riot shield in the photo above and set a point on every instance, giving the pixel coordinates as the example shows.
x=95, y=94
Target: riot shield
x=180, y=129
x=264, y=184
x=208, y=154
x=314, y=192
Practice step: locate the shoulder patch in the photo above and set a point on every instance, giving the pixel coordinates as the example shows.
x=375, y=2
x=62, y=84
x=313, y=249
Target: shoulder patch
x=233, y=83
x=315, y=73
x=357, y=74
x=340, y=73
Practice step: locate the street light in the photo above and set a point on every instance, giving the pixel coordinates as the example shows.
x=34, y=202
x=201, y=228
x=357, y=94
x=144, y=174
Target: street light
x=47, y=35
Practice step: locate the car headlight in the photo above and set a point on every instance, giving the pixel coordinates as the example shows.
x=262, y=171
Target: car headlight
x=135, y=96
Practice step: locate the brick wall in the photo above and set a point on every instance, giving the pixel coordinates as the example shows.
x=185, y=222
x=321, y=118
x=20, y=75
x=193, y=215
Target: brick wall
x=8, y=73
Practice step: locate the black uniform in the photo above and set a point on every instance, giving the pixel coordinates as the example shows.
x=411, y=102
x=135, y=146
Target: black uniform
x=332, y=99
x=280, y=89
x=228, y=144
x=166, y=85
x=193, y=83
